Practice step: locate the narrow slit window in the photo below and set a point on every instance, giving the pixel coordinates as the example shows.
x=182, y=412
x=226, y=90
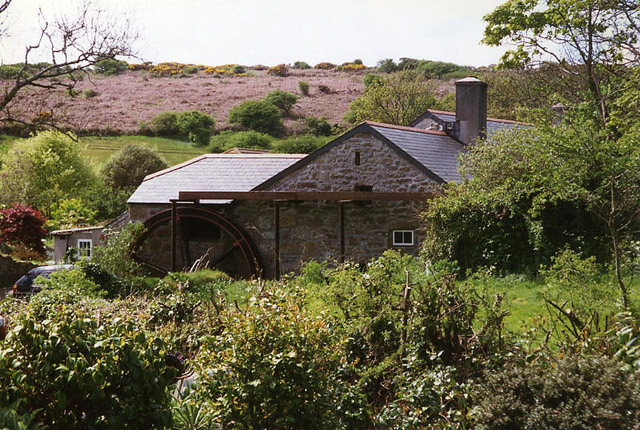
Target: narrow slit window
x=364, y=188
x=84, y=249
x=403, y=237
x=357, y=158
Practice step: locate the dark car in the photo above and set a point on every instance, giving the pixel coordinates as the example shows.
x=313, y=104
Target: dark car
x=25, y=284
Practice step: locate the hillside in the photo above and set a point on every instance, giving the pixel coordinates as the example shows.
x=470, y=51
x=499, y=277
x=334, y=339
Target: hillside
x=123, y=101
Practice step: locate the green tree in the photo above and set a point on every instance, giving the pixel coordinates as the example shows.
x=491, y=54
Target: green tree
x=396, y=99
x=72, y=212
x=593, y=39
x=283, y=100
x=197, y=126
x=126, y=169
x=44, y=169
x=257, y=115
x=110, y=66
x=240, y=139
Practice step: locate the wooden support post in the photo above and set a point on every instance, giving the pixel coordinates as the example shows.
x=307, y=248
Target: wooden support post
x=276, y=222
x=174, y=230
x=341, y=228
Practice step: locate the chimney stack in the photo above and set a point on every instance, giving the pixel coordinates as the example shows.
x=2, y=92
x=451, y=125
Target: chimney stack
x=471, y=109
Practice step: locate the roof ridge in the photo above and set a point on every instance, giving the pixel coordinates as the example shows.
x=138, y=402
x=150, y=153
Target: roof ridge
x=405, y=128
x=508, y=121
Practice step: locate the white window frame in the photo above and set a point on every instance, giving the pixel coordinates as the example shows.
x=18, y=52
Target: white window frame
x=403, y=242
x=83, y=249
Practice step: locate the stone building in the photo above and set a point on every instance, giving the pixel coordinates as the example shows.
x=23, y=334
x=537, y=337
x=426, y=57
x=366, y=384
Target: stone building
x=265, y=214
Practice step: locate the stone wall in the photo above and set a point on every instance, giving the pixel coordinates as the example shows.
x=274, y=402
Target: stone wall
x=380, y=167
x=11, y=270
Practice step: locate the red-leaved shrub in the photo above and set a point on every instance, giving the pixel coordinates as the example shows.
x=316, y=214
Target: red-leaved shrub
x=22, y=224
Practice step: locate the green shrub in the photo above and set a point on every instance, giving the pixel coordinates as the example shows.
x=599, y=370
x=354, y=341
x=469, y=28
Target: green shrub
x=190, y=70
x=115, y=253
x=165, y=124
x=283, y=100
x=576, y=393
x=238, y=69
x=9, y=71
x=239, y=139
x=257, y=115
x=303, y=86
x=110, y=66
x=387, y=66
x=127, y=168
x=325, y=66
x=77, y=373
x=301, y=65
x=197, y=126
x=300, y=145
x=317, y=126
x=372, y=79
x=280, y=70
x=89, y=93
x=72, y=212
x=274, y=366
x=357, y=61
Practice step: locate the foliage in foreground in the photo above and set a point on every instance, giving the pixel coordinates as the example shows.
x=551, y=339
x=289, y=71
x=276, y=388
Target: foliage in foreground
x=74, y=372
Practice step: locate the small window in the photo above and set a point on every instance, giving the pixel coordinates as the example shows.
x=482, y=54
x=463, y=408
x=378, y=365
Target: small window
x=402, y=237
x=357, y=159
x=84, y=249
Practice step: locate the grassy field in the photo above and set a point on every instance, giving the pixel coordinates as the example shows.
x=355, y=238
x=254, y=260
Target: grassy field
x=97, y=150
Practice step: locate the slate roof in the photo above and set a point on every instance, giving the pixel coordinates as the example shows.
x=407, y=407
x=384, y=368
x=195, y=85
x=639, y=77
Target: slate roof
x=434, y=150
x=212, y=172
x=494, y=125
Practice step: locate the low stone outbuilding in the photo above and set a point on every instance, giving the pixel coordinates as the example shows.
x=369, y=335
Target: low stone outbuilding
x=266, y=214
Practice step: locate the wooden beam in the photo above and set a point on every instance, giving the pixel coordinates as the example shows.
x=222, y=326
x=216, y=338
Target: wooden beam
x=304, y=195
x=276, y=221
x=341, y=229
x=174, y=222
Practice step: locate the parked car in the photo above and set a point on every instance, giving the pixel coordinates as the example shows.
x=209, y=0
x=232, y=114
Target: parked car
x=26, y=286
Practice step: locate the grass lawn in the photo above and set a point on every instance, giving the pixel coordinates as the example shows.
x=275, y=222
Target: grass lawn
x=97, y=150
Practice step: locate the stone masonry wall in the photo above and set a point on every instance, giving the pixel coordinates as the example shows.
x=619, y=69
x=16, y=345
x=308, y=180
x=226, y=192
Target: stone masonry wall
x=335, y=170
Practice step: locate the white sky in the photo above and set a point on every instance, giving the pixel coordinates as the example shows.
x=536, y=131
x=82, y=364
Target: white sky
x=249, y=32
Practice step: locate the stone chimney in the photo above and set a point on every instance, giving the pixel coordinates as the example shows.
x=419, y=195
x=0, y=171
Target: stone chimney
x=471, y=109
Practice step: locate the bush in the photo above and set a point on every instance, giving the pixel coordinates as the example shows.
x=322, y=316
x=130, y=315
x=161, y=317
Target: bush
x=317, y=126
x=72, y=212
x=274, y=366
x=115, y=253
x=238, y=69
x=324, y=89
x=351, y=67
x=576, y=393
x=89, y=93
x=76, y=373
x=127, y=168
x=280, y=70
x=300, y=145
x=371, y=79
x=110, y=66
x=165, y=124
x=240, y=139
x=197, y=126
x=22, y=224
x=325, y=66
x=303, y=86
x=301, y=65
x=9, y=71
x=257, y=115
x=283, y=100
x=387, y=66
